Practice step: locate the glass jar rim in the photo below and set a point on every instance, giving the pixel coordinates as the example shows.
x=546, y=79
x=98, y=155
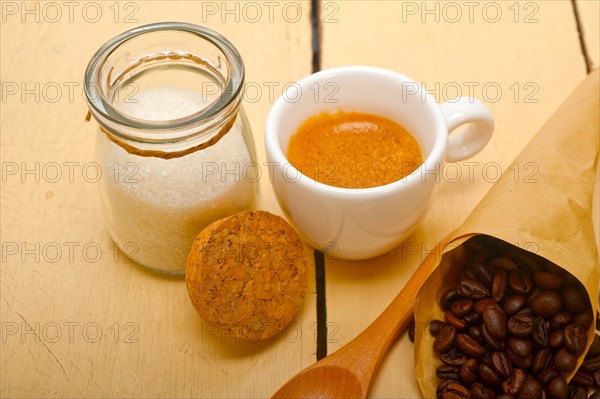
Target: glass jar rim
x=100, y=107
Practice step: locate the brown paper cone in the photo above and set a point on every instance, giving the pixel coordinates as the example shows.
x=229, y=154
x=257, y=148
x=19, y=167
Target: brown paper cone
x=547, y=212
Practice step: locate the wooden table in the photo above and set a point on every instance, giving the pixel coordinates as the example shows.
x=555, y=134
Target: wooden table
x=77, y=320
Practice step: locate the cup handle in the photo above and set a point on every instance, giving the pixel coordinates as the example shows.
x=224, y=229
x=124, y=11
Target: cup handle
x=473, y=137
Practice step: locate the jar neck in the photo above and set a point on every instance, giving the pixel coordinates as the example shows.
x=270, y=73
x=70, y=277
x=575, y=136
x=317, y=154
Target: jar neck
x=165, y=87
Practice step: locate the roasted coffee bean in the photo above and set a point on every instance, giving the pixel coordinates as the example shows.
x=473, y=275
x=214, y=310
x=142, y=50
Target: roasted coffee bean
x=521, y=324
x=453, y=358
x=564, y=360
x=584, y=319
x=595, y=347
x=522, y=362
x=485, y=303
x=591, y=364
x=442, y=385
x=575, y=338
x=578, y=393
x=473, y=318
x=487, y=375
x=454, y=321
x=547, y=375
x=473, y=289
x=560, y=320
x=468, y=371
x=514, y=383
x=596, y=377
x=548, y=280
x=595, y=395
x=501, y=364
x=529, y=260
x=520, y=281
x=455, y=391
x=541, y=360
x=493, y=343
x=447, y=371
x=483, y=273
x=435, y=326
x=520, y=346
x=449, y=296
x=557, y=388
x=503, y=395
x=505, y=264
x=513, y=304
x=495, y=322
x=499, y=283
x=475, y=333
x=546, y=303
x=469, y=346
x=479, y=391
x=460, y=308
x=540, y=332
x=582, y=379
x=445, y=340
x=531, y=389
x=574, y=298
x=556, y=339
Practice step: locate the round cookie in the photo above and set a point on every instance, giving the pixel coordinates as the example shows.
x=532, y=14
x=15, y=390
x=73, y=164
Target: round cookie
x=247, y=274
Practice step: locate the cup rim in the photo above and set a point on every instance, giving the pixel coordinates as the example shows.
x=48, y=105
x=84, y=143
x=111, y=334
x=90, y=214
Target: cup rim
x=431, y=163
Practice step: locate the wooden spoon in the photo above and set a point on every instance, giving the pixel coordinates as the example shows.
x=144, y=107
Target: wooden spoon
x=348, y=372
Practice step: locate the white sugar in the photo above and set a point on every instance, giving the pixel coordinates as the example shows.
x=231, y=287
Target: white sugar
x=161, y=205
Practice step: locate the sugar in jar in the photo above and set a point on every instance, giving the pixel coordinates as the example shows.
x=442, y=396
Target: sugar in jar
x=172, y=138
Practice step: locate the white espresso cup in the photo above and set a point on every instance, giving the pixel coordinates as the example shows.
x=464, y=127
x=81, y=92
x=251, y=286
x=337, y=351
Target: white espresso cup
x=360, y=223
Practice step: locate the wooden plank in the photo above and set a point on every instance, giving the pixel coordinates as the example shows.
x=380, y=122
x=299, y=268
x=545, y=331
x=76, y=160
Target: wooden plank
x=521, y=58
x=85, y=324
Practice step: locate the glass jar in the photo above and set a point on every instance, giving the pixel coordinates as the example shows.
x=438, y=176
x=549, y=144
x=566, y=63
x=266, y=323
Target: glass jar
x=173, y=141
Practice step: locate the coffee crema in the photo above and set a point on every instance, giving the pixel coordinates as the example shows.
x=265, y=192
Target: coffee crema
x=353, y=150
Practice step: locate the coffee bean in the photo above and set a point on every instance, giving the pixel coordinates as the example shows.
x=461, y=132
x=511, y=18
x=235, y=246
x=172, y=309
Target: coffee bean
x=584, y=319
x=548, y=280
x=564, y=360
x=582, y=379
x=485, y=303
x=529, y=260
x=522, y=362
x=501, y=364
x=453, y=358
x=595, y=347
x=469, y=346
x=513, y=304
x=575, y=338
x=556, y=339
x=487, y=375
x=493, y=343
x=472, y=318
x=531, y=389
x=462, y=307
x=499, y=283
x=591, y=364
x=521, y=324
x=520, y=346
x=495, y=322
x=475, y=333
x=445, y=340
x=479, y=391
x=557, y=388
x=547, y=375
x=515, y=382
x=435, y=326
x=541, y=360
x=483, y=273
x=447, y=371
x=468, y=371
x=596, y=377
x=560, y=320
x=520, y=281
x=546, y=303
x=449, y=296
x=454, y=321
x=540, y=332
x=574, y=299
x=473, y=289
x=455, y=391
x=505, y=264
x=578, y=393
x=443, y=384
x=595, y=395
x=503, y=395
